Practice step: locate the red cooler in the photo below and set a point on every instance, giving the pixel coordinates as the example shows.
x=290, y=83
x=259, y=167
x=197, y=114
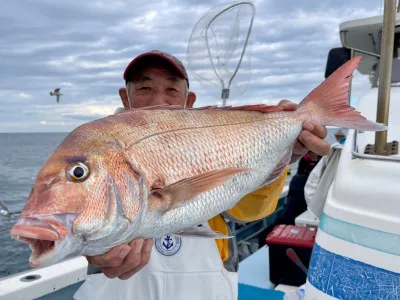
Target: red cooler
x=290, y=249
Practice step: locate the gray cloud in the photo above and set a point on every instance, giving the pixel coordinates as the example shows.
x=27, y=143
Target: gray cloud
x=83, y=47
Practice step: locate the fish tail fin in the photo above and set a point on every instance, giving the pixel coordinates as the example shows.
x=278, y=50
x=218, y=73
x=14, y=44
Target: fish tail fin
x=329, y=101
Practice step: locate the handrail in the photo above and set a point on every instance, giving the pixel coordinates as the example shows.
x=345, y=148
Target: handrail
x=356, y=154
x=385, y=74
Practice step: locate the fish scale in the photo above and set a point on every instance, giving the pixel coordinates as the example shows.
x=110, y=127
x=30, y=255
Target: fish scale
x=185, y=147
x=256, y=145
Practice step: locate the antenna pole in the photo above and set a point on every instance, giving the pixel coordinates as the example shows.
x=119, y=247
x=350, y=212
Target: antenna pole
x=385, y=74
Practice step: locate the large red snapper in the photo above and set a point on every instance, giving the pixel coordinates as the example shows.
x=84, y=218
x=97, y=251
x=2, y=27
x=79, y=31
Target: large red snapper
x=164, y=170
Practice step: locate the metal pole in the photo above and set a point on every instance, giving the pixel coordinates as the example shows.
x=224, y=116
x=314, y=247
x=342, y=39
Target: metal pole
x=385, y=73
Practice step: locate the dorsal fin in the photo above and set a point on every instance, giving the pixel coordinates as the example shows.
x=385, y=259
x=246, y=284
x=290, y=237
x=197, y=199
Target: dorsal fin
x=252, y=107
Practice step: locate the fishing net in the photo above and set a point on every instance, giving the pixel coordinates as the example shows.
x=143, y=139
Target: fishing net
x=219, y=50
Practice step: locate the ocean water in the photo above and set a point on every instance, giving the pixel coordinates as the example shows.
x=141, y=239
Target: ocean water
x=21, y=156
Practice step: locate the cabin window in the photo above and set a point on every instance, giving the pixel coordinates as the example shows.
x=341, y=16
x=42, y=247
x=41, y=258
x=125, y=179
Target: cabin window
x=373, y=76
x=396, y=59
x=396, y=50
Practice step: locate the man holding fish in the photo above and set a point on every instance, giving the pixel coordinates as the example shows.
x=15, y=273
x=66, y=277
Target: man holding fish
x=180, y=267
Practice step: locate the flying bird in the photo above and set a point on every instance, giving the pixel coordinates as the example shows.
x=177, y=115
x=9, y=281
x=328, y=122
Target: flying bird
x=56, y=93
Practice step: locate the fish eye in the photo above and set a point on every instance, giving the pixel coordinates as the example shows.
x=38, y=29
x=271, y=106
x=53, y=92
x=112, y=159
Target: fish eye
x=77, y=172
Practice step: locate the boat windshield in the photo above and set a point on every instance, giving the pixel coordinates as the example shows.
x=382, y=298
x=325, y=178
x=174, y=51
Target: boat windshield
x=374, y=73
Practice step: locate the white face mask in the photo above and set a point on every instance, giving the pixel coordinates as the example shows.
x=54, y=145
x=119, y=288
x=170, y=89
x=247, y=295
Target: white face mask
x=119, y=110
x=127, y=93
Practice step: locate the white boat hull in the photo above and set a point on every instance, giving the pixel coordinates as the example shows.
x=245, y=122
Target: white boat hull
x=357, y=249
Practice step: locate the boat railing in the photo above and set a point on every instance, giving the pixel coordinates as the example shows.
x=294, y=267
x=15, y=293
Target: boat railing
x=356, y=154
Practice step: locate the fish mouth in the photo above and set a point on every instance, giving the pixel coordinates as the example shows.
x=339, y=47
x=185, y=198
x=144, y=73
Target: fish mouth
x=41, y=237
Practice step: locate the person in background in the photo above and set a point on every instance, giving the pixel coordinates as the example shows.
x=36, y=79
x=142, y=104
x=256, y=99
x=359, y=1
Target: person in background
x=295, y=203
x=321, y=177
x=173, y=267
x=340, y=136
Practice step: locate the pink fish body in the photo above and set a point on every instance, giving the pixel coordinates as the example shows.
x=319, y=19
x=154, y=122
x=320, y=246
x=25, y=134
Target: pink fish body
x=164, y=170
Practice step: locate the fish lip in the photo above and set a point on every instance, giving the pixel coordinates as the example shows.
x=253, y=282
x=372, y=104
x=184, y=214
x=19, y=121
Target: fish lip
x=34, y=228
x=35, y=232
x=41, y=238
x=45, y=234
x=41, y=235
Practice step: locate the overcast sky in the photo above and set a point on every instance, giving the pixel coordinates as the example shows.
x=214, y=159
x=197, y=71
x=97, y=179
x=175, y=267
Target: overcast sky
x=83, y=47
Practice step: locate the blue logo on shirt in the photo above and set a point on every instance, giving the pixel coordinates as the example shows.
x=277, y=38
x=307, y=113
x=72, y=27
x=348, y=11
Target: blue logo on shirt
x=168, y=245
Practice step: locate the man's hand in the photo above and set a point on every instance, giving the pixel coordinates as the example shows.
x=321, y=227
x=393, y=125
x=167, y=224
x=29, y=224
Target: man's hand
x=310, y=139
x=125, y=260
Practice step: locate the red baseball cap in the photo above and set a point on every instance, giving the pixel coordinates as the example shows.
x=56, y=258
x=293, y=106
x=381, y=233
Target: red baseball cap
x=166, y=57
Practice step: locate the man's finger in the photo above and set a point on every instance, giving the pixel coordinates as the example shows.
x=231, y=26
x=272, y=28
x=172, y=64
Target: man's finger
x=145, y=257
x=314, y=143
x=136, y=257
x=316, y=129
x=112, y=258
x=299, y=148
x=287, y=105
x=131, y=261
x=111, y=272
x=147, y=251
x=130, y=273
x=298, y=152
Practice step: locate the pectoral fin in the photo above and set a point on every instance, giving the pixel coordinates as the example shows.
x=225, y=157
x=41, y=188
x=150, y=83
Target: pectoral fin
x=202, y=232
x=186, y=189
